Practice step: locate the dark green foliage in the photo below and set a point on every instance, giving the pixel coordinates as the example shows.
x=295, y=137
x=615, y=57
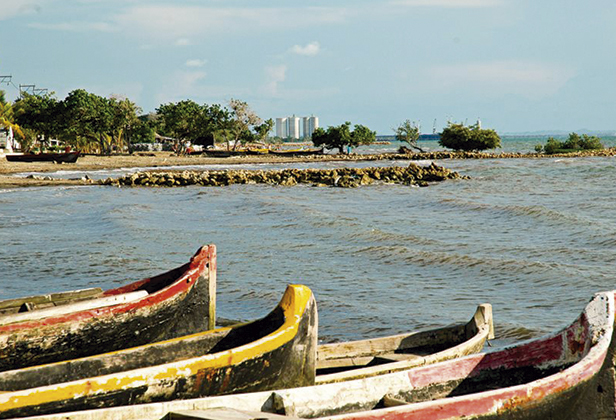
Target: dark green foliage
x=189, y=121
x=262, y=130
x=461, y=137
x=409, y=133
x=144, y=130
x=574, y=143
x=339, y=137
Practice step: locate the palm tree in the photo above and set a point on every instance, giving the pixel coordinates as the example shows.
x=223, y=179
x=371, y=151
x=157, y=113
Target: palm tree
x=7, y=116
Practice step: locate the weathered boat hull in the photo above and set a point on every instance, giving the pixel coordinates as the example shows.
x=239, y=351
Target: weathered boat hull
x=178, y=302
x=68, y=157
x=360, y=359
x=277, y=351
x=565, y=375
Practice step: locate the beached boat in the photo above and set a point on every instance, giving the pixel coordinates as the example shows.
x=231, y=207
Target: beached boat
x=277, y=351
x=565, y=375
x=297, y=153
x=220, y=153
x=49, y=328
x=359, y=359
x=66, y=157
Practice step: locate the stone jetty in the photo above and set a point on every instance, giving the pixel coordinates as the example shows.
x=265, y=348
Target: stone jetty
x=412, y=174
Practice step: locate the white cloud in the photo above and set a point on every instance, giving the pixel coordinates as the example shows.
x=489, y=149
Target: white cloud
x=173, y=22
x=190, y=84
x=525, y=78
x=195, y=63
x=448, y=3
x=12, y=8
x=275, y=75
x=75, y=26
x=182, y=42
x=187, y=79
x=311, y=49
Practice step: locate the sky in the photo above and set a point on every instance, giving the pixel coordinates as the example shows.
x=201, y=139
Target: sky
x=517, y=65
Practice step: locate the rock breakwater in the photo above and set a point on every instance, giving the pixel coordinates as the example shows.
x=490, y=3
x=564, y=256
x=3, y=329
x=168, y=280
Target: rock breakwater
x=444, y=154
x=342, y=177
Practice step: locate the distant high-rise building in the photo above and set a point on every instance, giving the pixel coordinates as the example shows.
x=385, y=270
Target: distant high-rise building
x=282, y=128
x=310, y=124
x=289, y=127
x=293, y=127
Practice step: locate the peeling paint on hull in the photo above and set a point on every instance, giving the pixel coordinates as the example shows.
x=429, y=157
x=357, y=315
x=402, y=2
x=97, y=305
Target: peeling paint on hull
x=345, y=361
x=565, y=375
x=185, y=290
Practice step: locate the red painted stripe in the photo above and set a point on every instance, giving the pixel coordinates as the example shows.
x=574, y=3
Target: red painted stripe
x=537, y=352
x=521, y=397
x=181, y=286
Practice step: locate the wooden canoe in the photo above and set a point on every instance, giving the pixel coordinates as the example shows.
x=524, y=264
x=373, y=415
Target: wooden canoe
x=77, y=324
x=277, y=351
x=64, y=157
x=565, y=375
x=359, y=359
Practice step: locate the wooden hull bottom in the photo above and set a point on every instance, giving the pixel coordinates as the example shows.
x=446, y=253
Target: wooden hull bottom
x=70, y=157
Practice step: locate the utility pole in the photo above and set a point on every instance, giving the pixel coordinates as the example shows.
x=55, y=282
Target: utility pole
x=5, y=79
x=26, y=89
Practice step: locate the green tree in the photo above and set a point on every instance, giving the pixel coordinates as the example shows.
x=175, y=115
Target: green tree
x=180, y=120
x=39, y=113
x=7, y=116
x=124, y=120
x=189, y=121
x=217, y=120
x=409, y=133
x=341, y=137
x=263, y=130
x=461, y=137
x=88, y=121
x=144, y=131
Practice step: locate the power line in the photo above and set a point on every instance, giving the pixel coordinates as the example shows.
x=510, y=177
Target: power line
x=26, y=89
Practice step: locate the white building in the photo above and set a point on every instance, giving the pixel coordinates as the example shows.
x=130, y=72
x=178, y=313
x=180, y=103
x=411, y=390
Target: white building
x=293, y=127
x=8, y=143
x=310, y=124
x=289, y=127
x=282, y=128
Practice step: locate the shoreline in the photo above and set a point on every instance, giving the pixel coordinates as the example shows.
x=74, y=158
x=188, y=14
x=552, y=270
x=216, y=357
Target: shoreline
x=167, y=159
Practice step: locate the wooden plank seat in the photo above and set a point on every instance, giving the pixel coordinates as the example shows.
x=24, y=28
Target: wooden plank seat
x=83, y=305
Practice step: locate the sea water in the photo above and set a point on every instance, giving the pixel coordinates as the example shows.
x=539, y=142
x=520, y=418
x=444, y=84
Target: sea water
x=533, y=237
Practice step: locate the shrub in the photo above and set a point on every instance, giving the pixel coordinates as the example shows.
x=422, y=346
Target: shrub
x=461, y=137
x=574, y=143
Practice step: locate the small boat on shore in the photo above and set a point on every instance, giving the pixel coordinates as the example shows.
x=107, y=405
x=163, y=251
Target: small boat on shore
x=220, y=153
x=49, y=328
x=297, y=153
x=65, y=157
x=564, y=375
x=345, y=361
x=275, y=352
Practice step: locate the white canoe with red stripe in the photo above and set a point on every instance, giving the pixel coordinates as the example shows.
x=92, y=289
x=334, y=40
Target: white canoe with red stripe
x=76, y=324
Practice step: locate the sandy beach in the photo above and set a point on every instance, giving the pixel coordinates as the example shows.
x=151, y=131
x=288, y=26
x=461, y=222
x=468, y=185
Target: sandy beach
x=137, y=160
